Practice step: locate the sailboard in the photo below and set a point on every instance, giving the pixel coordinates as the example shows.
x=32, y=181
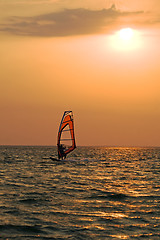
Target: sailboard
x=66, y=136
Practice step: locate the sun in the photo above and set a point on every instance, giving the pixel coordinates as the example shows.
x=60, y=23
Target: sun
x=126, y=34
x=126, y=39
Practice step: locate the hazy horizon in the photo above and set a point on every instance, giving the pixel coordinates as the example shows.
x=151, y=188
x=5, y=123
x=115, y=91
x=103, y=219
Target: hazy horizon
x=96, y=146
x=99, y=59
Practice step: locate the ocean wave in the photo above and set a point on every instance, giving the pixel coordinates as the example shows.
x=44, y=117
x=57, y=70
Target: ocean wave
x=100, y=193
x=113, y=196
x=20, y=228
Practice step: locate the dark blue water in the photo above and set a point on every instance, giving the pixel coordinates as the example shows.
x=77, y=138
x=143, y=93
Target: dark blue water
x=99, y=193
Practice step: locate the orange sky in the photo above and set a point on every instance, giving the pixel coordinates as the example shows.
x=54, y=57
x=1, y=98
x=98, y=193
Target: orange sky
x=67, y=55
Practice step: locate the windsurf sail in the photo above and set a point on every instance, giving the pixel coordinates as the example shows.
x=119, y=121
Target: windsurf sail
x=66, y=137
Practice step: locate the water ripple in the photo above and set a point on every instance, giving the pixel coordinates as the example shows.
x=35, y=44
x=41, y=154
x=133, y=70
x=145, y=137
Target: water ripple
x=99, y=193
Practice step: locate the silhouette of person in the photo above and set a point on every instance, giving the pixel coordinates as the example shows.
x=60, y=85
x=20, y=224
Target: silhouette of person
x=62, y=153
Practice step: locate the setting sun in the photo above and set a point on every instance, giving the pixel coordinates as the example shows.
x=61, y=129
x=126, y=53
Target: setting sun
x=126, y=39
x=126, y=34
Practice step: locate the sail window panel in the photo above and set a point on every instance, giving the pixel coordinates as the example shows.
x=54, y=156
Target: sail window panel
x=66, y=138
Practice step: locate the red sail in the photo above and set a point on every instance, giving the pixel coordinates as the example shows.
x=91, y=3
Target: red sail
x=66, y=135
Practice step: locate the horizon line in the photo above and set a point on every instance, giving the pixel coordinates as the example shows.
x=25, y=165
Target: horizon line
x=107, y=146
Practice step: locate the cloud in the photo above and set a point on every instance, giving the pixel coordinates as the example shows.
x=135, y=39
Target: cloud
x=28, y=2
x=68, y=22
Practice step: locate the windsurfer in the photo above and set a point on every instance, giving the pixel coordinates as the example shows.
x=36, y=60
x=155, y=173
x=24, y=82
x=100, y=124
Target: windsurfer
x=62, y=152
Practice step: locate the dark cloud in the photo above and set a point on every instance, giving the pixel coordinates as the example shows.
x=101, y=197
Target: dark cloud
x=65, y=23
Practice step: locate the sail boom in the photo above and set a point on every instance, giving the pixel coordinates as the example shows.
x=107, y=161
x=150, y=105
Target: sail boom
x=67, y=139
x=67, y=130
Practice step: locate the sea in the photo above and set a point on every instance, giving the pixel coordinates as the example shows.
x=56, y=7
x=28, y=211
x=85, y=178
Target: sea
x=96, y=193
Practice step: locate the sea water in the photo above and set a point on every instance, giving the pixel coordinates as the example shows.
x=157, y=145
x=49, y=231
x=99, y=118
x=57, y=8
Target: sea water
x=98, y=193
